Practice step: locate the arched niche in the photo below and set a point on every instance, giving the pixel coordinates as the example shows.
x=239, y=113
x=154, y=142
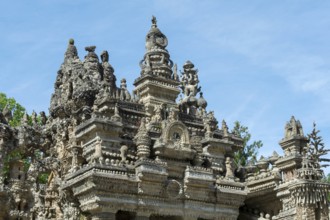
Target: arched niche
x=176, y=133
x=174, y=142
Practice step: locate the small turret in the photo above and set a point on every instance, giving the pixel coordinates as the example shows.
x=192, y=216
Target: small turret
x=294, y=140
x=293, y=144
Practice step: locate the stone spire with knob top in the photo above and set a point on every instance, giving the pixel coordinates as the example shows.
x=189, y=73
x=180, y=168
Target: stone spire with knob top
x=156, y=84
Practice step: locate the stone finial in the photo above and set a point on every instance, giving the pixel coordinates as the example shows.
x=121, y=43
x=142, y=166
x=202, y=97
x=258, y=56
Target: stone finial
x=105, y=56
x=34, y=118
x=262, y=164
x=275, y=154
x=7, y=114
x=108, y=72
x=124, y=93
x=43, y=118
x=71, y=51
x=90, y=48
x=293, y=128
x=91, y=55
x=116, y=116
x=154, y=21
x=201, y=102
x=175, y=72
x=155, y=38
x=273, y=158
x=224, y=128
x=25, y=119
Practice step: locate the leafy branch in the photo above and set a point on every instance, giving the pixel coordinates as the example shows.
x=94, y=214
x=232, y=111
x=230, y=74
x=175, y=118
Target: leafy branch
x=316, y=147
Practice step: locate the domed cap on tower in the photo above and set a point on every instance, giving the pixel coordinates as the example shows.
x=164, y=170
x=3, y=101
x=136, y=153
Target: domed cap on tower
x=188, y=65
x=155, y=38
x=201, y=102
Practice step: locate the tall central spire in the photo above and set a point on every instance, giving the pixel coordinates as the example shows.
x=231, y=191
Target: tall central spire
x=156, y=60
x=157, y=83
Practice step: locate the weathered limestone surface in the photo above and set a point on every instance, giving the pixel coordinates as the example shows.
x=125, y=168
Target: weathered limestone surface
x=106, y=153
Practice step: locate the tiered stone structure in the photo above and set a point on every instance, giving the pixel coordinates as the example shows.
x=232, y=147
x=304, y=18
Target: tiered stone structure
x=111, y=154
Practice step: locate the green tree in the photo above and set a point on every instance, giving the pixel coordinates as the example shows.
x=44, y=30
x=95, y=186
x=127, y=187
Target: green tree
x=316, y=147
x=16, y=109
x=249, y=151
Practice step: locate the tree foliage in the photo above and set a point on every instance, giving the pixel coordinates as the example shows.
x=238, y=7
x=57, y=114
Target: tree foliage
x=316, y=147
x=249, y=151
x=16, y=109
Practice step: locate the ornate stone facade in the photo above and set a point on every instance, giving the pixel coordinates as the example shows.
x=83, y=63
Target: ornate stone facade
x=106, y=153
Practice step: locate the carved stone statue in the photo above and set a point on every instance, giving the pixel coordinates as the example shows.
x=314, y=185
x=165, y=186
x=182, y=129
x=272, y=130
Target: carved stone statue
x=43, y=118
x=123, y=153
x=124, y=94
x=229, y=168
x=157, y=117
x=108, y=71
x=98, y=154
x=189, y=80
x=173, y=115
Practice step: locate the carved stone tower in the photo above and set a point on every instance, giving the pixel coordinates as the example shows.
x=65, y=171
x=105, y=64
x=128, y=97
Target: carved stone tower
x=158, y=83
x=293, y=144
x=103, y=154
x=302, y=193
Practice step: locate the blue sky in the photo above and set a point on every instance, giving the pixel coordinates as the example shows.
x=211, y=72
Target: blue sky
x=259, y=61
